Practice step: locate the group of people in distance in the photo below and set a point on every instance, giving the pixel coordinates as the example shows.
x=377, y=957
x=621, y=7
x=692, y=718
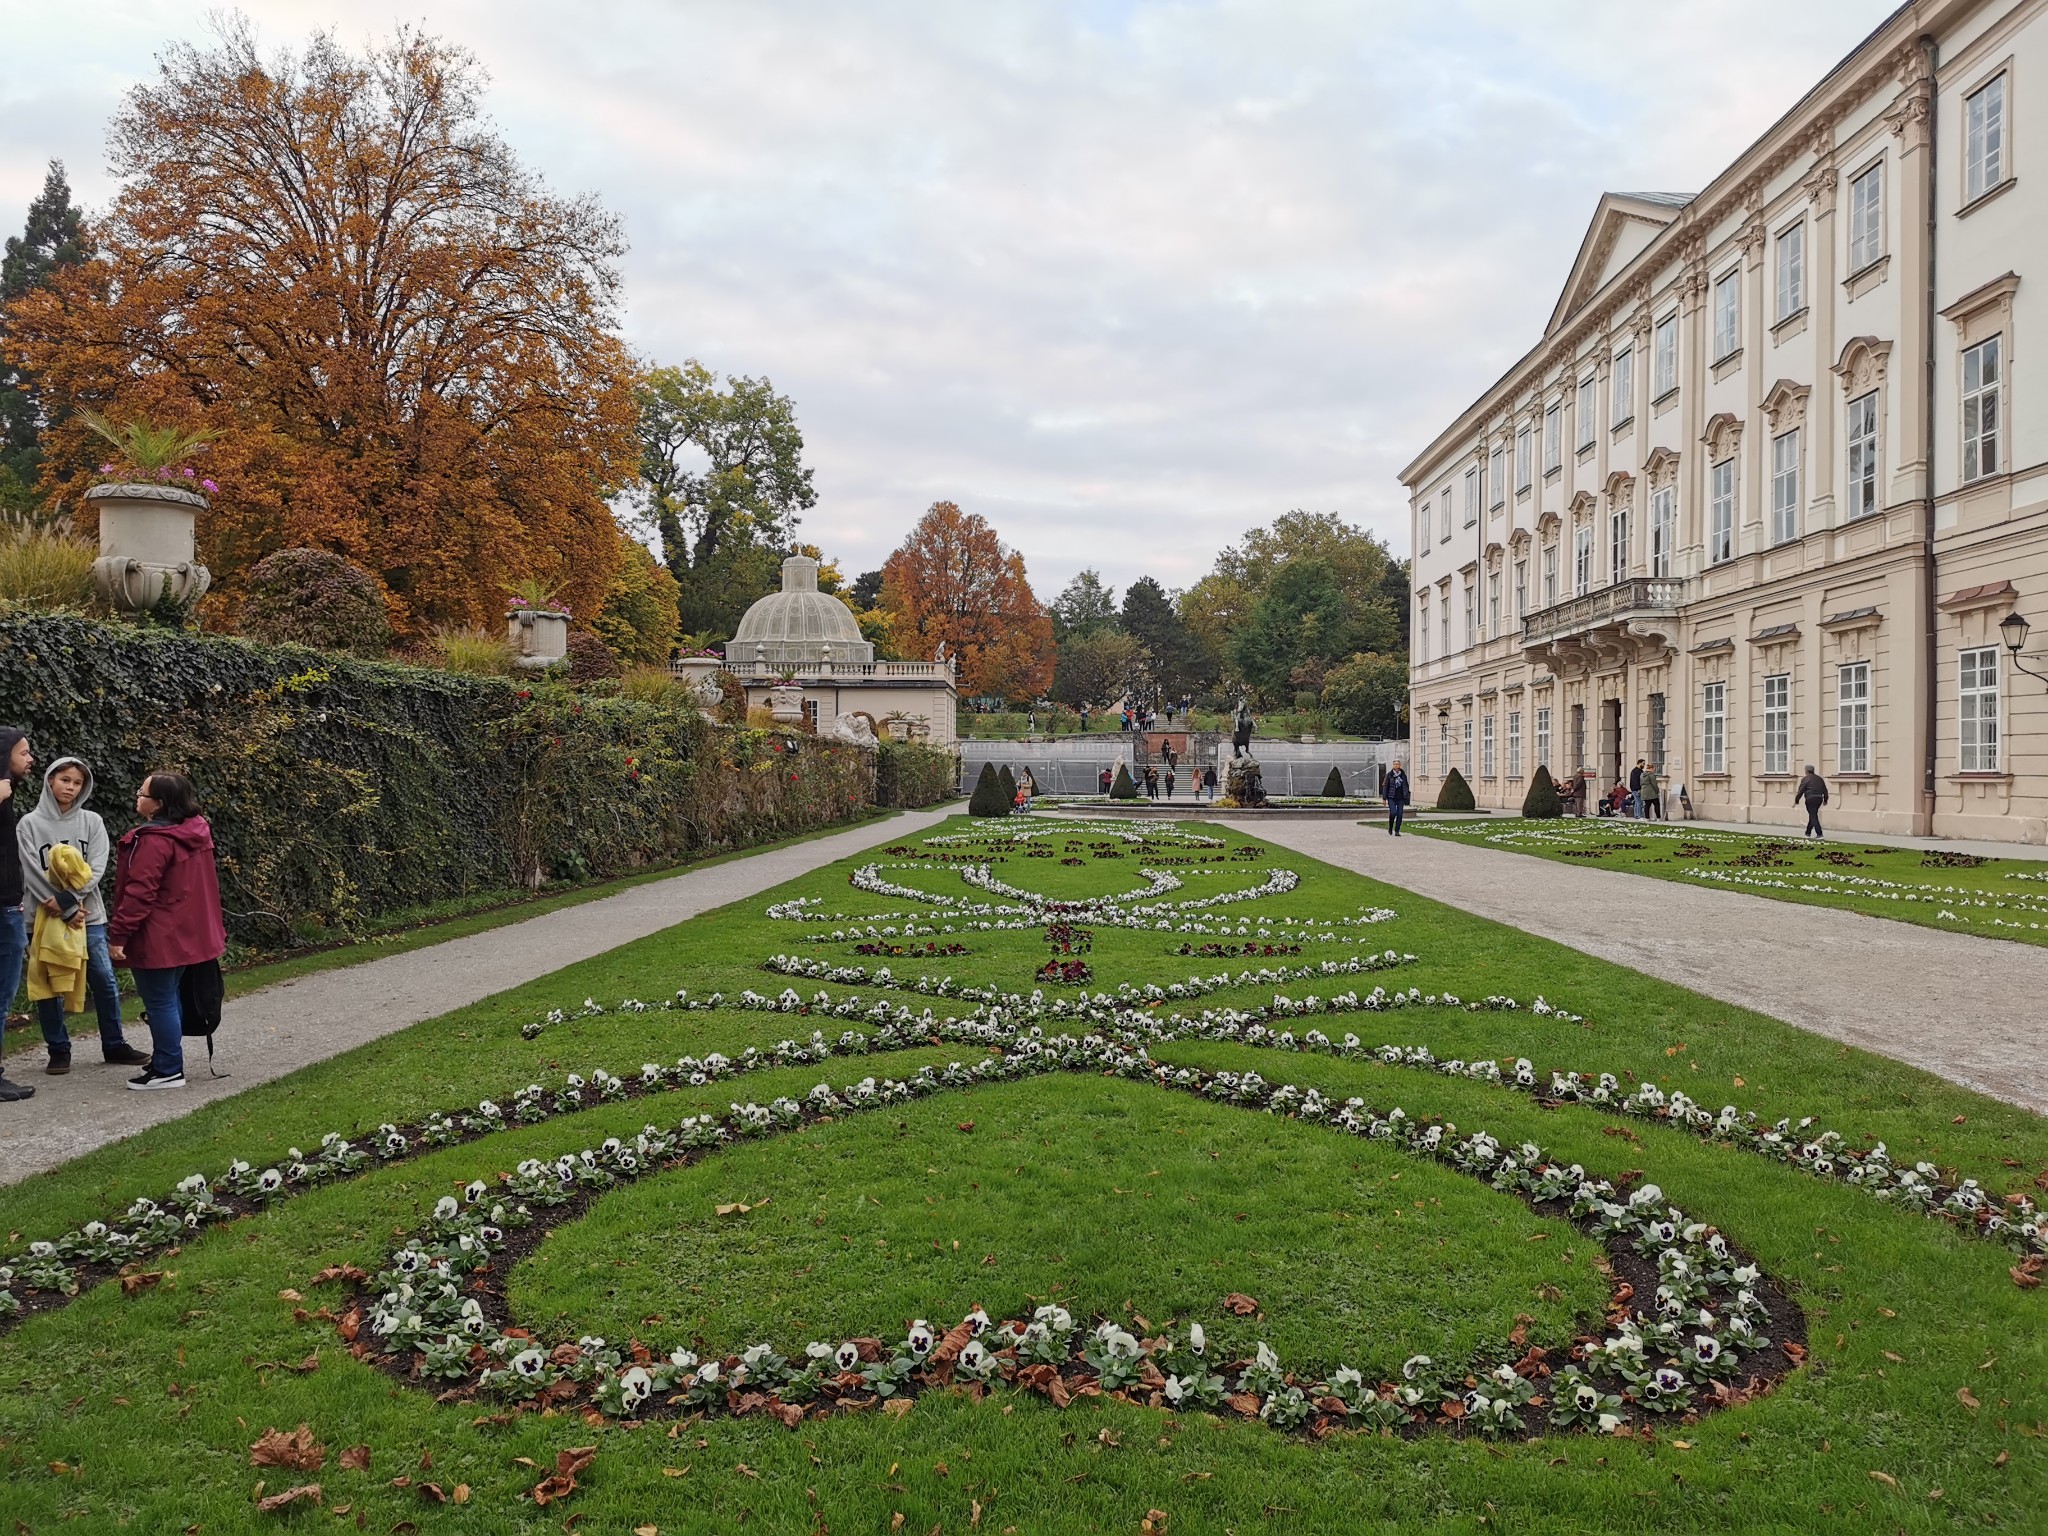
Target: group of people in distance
x=1202, y=781
x=163, y=922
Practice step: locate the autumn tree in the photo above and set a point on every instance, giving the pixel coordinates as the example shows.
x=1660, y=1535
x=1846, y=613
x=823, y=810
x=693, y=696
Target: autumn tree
x=53, y=238
x=724, y=483
x=953, y=583
x=638, y=619
x=404, y=340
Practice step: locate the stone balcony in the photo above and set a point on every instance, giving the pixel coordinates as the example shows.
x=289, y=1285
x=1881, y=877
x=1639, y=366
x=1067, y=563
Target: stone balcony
x=1630, y=620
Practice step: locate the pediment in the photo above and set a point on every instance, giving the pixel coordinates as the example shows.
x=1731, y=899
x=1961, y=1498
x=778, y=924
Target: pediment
x=1623, y=224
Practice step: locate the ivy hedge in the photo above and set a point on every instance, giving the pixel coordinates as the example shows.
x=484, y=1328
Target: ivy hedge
x=341, y=790
x=910, y=774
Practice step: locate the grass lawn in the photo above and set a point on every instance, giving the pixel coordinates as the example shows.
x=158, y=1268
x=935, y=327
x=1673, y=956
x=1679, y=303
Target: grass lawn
x=1920, y=1404
x=1958, y=893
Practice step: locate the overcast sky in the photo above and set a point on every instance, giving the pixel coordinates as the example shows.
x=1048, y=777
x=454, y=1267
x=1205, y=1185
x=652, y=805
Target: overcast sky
x=1125, y=276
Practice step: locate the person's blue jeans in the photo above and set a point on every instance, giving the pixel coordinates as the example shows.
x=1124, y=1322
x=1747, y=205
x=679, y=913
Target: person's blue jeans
x=13, y=952
x=1395, y=810
x=158, y=989
x=106, y=1000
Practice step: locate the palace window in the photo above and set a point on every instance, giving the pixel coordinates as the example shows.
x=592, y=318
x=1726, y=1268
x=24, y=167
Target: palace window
x=1486, y=747
x=1727, y=314
x=1664, y=358
x=1422, y=627
x=1978, y=710
x=1617, y=544
x=1852, y=706
x=1984, y=139
x=1525, y=465
x=1624, y=385
x=1553, y=438
x=1471, y=614
x=1721, y=513
x=1863, y=455
x=1443, y=622
x=1521, y=590
x=1578, y=741
x=1549, y=574
x=1427, y=503
x=1778, y=724
x=1714, y=728
x=1543, y=736
x=1663, y=529
x=1657, y=730
x=1443, y=746
x=1471, y=501
x=1589, y=410
x=1468, y=746
x=1497, y=479
x=1866, y=218
x=1785, y=487
x=1791, y=270
x=1493, y=603
x=1582, y=561
x=1514, y=743
x=1981, y=417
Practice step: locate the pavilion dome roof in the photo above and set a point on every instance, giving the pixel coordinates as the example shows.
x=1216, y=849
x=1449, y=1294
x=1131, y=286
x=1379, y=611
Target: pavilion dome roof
x=794, y=625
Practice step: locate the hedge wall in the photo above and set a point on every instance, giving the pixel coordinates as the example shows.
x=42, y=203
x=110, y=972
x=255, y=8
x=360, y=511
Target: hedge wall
x=340, y=790
x=910, y=774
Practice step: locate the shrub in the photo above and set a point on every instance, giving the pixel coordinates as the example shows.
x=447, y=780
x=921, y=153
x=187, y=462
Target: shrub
x=732, y=705
x=1123, y=788
x=1542, y=799
x=1456, y=795
x=1007, y=782
x=473, y=652
x=590, y=659
x=639, y=618
x=654, y=685
x=46, y=570
x=315, y=597
x=911, y=774
x=987, y=799
x=1333, y=786
x=1306, y=701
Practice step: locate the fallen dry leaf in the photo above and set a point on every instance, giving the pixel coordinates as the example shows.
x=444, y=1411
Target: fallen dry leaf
x=560, y=1483
x=1240, y=1304
x=1886, y=1478
x=274, y=1448
x=896, y=1407
x=289, y=1295
x=355, y=1459
x=646, y=1530
x=308, y=1492
x=131, y=1284
x=1154, y=1521
x=1967, y=1398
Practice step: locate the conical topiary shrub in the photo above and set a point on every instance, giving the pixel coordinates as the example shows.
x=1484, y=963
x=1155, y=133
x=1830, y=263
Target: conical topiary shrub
x=1007, y=782
x=988, y=794
x=1542, y=799
x=1456, y=795
x=1333, y=786
x=1123, y=789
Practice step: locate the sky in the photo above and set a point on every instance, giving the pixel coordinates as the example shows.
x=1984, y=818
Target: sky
x=1126, y=277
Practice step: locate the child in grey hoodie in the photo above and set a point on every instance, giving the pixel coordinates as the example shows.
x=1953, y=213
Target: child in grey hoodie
x=60, y=816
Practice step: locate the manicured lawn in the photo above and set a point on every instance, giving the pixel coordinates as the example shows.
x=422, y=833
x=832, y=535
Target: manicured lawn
x=1958, y=893
x=1107, y=1194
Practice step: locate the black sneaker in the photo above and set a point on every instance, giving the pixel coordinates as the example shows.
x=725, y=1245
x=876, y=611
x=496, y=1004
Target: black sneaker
x=59, y=1065
x=11, y=1092
x=123, y=1056
x=150, y=1080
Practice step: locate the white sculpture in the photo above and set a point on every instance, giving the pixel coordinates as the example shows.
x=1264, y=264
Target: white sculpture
x=854, y=729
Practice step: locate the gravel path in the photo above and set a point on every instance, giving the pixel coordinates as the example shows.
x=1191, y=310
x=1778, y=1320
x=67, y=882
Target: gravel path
x=296, y=1023
x=1953, y=1004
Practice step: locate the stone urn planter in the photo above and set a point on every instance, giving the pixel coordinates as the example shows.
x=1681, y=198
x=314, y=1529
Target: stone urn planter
x=539, y=638
x=920, y=730
x=898, y=728
x=146, y=546
x=699, y=674
x=786, y=703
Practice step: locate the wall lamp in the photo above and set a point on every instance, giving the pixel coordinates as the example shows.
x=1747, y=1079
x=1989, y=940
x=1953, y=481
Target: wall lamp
x=2012, y=629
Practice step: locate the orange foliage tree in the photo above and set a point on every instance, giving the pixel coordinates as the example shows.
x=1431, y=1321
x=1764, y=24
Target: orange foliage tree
x=406, y=343
x=953, y=582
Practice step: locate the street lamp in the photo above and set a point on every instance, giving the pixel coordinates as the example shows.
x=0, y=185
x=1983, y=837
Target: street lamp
x=2012, y=629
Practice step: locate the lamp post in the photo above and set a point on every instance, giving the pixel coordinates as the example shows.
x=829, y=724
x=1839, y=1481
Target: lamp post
x=2012, y=629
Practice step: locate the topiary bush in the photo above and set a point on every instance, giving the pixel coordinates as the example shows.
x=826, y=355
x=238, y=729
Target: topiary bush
x=1542, y=800
x=910, y=774
x=1123, y=788
x=1008, y=783
x=1333, y=786
x=315, y=597
x=1456, y=795
x=987, y=799
x=590, y=659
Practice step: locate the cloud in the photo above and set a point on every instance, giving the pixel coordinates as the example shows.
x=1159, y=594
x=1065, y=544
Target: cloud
x=1126, y=276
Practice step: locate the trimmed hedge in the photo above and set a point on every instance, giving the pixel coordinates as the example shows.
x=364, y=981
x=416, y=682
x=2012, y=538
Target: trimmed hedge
x=988, y=798
x=1006, y=781
x=1456, y=794
x=1333, y=786
x=910, y=774
x=1123, y=788
x=341, y=790
x=1542, y=800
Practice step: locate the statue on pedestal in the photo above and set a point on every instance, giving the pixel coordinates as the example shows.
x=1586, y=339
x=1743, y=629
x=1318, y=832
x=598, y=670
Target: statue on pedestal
x=1241, y=730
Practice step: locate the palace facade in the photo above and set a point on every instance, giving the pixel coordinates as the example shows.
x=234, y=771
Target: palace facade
x=1775, y=474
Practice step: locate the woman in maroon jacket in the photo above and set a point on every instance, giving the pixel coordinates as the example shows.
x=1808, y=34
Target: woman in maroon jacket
x=166, y=914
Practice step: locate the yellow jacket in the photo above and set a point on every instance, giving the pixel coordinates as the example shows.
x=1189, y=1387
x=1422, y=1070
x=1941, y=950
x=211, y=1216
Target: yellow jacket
x=56, y=953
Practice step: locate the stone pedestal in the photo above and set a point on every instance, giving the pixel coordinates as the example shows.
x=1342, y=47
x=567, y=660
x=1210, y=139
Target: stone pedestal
x=146, y=546
x=539, y=639
x=1243, y=782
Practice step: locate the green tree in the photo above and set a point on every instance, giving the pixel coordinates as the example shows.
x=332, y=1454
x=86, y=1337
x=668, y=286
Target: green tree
x=724, y=483
x=1096, y=667
x=1302, y=624
x=1084, y=607
x=867, y=591
x=1367, y=695
x=54, y=237
x=1181, y=661
x=638, y=622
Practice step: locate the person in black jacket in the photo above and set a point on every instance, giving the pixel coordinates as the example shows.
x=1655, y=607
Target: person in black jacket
x=1813, y=794
x=15, y=762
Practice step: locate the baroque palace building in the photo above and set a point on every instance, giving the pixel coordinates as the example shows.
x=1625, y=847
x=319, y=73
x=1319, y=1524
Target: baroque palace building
x=1776, y=473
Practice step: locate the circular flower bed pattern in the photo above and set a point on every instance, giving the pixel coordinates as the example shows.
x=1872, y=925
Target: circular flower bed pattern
x=1689, y=1322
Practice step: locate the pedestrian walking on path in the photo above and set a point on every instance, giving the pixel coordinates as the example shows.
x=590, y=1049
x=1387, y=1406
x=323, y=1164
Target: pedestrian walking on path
x=1651, y=794
x=166, y=915
x=61, y=820
x=1397, y=796
x=15, y=761
x=1813, y=794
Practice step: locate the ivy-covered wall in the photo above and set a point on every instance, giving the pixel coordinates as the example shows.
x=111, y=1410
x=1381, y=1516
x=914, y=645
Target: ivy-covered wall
x=341, y=790
x=910, y=774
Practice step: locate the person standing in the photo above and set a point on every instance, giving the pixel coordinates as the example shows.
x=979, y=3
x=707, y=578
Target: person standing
x=61, y=819
x=1813, y=794
x=1169, y=780
x=1209, y=782
x=1103, y=779
x=15, y=762
x=166, y=914
x=1397, y=794
x=1635, y=789
x=1651, y=794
